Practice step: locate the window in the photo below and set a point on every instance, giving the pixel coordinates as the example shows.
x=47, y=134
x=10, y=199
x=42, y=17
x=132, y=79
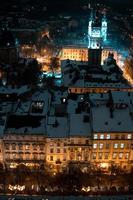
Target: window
x=64, y=150
x=107, y=146
x=34, y=146
x=41, y=147
x=100, y=146
x=116, y=137
x=115, y=145
x=94, y=156
x=14, y=156
x=64, y=158
x=123, y=137
x=7, y=146
x=13, y=146
x=120, y=155
x=27, y=156
x=72, y=141
x=114, y=155
x=102, y=136
x=129, y=136
x=100, y=156
x=108, y=136
x=94, y=146
x=58, y=144
x=127, y=146
x=106, y=155
x=27, y=146
x=126, y=155
x=20, y=155
x=51, y=158
x=51, y=150
x=41, y=156
x=122, y=145
x=37, y=107
x=95, y=136
x=7, y=155
x=58, y=150
x=20, y=146
x=35, y=156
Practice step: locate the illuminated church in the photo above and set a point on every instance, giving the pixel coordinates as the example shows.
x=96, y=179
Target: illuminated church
x=97, y=32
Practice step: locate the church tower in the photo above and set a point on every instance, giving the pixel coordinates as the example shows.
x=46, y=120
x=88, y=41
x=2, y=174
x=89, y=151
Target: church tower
x=97, y=32
x=104, y=28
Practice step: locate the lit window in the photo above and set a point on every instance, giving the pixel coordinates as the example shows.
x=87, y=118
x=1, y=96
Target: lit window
x=94, y=146
x=115, y=146
x=108, y=136
x=114, y=155
x=129, y=136
x=122, y=145
x=95, y=136
x=126, y=155
x=120, y=155
x=94, y=155
x=14, y=156
x=102, y=136
x=100, y=146
x=27, y=146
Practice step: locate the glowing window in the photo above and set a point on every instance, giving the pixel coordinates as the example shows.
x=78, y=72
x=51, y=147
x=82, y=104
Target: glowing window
x=108, y=136
x=100, y=146
x=102, y=136
x=120, y=155
x=95, y=136
x=115, y=145
x=129, y=136
x=122, y=145
x=94, y=155
x=94, y=146
x=27, y=146
x=126, y=155
x=114, y=155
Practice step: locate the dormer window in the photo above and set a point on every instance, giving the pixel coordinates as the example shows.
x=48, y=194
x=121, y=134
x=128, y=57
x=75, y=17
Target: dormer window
x=37, y=107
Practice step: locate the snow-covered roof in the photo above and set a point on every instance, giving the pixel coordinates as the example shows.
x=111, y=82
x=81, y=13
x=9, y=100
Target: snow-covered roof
x=117, y=121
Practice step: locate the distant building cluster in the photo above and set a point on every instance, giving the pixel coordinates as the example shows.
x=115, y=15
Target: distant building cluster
x=87, y=120
x=55, y=128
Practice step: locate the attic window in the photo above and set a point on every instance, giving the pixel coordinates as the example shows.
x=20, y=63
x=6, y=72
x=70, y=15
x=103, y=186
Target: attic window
x=37, y=107
x=64, y=100
x=106, y=123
